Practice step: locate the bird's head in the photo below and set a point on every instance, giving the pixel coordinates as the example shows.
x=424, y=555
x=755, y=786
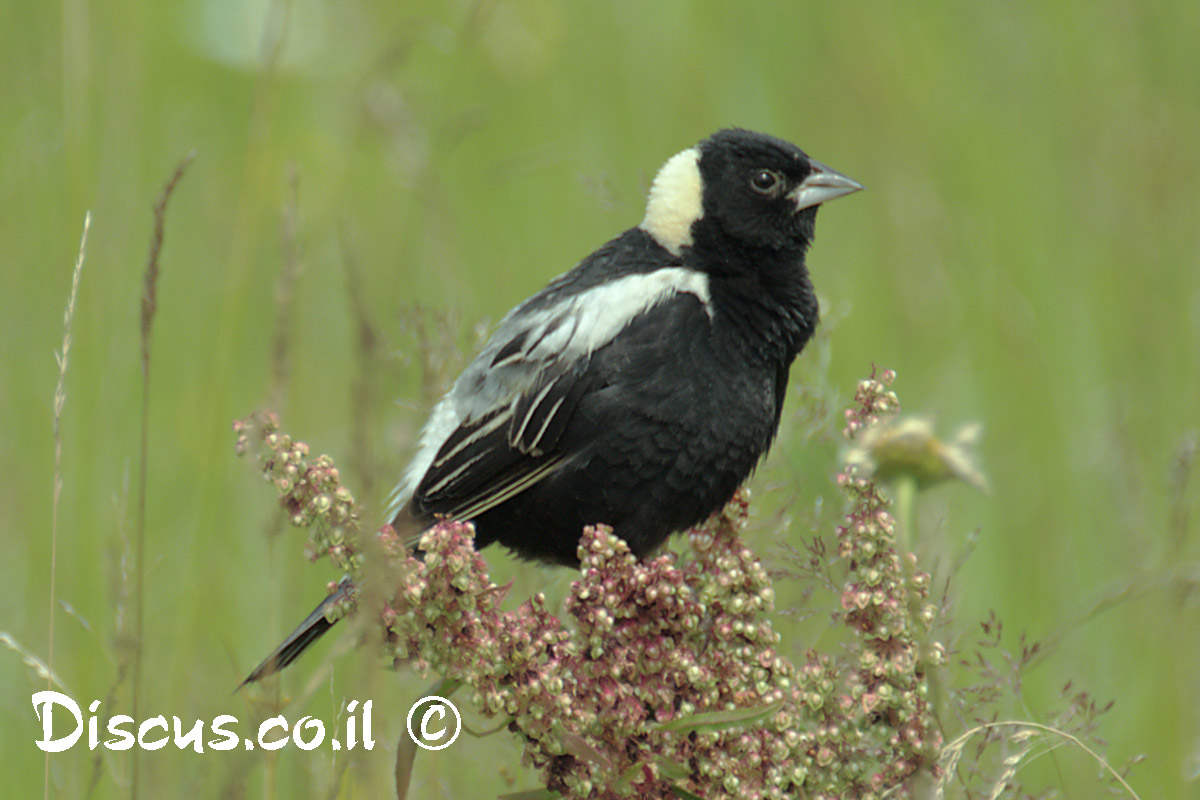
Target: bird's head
x=760, y=191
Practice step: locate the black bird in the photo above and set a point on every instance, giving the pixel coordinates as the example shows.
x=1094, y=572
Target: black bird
x=641, y=388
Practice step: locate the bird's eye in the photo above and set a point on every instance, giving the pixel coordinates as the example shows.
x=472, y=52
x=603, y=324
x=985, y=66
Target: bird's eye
x=764, y=181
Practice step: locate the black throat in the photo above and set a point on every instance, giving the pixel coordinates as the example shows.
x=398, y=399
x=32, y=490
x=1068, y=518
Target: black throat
x=762, y=295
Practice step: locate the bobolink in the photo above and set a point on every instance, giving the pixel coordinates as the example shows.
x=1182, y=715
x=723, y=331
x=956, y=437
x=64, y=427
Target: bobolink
x=639, y=389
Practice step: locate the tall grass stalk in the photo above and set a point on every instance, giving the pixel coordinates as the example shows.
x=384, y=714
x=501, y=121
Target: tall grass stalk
x=60, y=399
x=149, y=307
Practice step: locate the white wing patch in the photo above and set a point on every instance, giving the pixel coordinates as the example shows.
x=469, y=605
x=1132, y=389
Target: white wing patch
x=584, y=323
x=569, y=330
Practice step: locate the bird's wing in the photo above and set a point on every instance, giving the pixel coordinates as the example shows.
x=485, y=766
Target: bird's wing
x=494, y=434
x=487, y=460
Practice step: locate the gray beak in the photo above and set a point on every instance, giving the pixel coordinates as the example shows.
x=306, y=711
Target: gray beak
x=822, y=185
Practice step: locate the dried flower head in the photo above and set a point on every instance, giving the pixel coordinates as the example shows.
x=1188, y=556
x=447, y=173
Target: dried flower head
x=666, y=674
x=907, y=445
x=310, y=490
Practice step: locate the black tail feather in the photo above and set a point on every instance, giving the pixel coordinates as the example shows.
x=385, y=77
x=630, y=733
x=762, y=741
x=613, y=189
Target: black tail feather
x=312, y=628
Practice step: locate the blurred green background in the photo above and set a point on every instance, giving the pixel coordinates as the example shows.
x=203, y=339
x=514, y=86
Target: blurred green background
x=1027, y=255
